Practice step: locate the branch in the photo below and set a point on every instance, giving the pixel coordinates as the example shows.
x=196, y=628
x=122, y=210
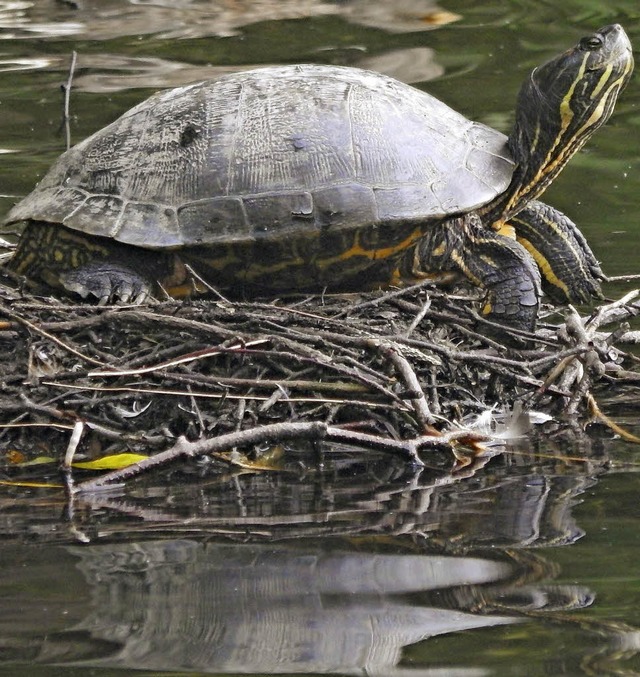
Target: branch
x=278, y=432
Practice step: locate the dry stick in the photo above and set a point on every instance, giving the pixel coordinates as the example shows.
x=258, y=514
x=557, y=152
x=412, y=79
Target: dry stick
x=630, y=337
x=74, y=441
x=214, y=396
x=387, y=296
x=331, y=387
x=32, y=327
x=182, y=359
x=404, y=368
x=574, y=367
x=358, y=372
x=210, y=288
x=67, y=97
x=612, y=311
x=623, y=278
x=277, y=432
x=176, y=322
x=580, y=391
x=418, y=318
x=451, y=354
x=108, y=433
x=315, y=357
x=597, y=412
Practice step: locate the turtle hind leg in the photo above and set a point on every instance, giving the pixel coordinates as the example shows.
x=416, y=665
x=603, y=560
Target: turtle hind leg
x=570, y=271
x=107, y=282
x=89, y=266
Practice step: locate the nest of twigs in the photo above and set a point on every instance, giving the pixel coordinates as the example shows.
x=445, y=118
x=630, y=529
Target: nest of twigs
x=404, y=371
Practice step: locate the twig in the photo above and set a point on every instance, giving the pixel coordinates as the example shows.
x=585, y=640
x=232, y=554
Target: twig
x=623, y=278
x=414, y=389
x=384, y=298
x=419, y=317
x=198, y=278
x=32, y=327
x=66, y=88
x=74, y=441
x=183, y=359
x=141, y=390
x=597, y=412
x=159, y=349
x=278, y=432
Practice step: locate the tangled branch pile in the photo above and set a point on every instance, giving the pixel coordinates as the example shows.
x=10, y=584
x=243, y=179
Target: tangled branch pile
x=398, y=371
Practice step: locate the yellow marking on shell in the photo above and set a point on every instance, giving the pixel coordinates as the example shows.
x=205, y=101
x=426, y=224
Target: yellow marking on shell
x=397, y=279
x=220, y=262
x=58, y=255
x=255, y=272
x=74, y=243
x=444, y=277
x=186, y=290
x=25, y=263
x=372, y=253
x=75, y=258
x=250, y=270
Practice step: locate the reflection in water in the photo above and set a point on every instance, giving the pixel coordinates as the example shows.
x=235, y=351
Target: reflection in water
x=435, y=553
x=186, y=605
x=243, y=608
x=407, y=65
x=502, y=507
x=108, y=19
x=399, y=16
x=103, y=73
x=24, y=64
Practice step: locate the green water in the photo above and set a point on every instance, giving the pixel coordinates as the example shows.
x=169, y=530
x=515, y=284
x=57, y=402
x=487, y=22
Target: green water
x=527, y=567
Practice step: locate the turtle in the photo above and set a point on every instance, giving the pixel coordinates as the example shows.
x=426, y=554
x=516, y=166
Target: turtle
x=312, y=177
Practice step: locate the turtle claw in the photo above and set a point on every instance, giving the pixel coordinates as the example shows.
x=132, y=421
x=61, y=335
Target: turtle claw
x=125, y=292
x=107, y=283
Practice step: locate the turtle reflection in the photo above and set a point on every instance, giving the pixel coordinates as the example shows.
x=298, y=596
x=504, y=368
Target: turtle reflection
x=185, y=605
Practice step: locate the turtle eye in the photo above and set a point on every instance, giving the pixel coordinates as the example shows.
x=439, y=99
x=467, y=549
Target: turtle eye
x=591, y=43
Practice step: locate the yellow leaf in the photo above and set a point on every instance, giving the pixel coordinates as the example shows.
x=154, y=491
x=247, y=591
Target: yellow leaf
x=112, y=462
x=17, y=458
x=271, y=460
x=35, y=485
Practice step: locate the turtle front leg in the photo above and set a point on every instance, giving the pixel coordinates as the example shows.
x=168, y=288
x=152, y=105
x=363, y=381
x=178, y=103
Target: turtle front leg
x=489, y=260
x=570, y=271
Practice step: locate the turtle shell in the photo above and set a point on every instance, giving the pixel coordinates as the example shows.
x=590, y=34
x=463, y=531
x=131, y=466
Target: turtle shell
x=272, y=153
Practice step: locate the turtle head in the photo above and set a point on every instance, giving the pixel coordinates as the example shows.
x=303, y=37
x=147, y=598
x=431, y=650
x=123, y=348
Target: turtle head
x=561, y=104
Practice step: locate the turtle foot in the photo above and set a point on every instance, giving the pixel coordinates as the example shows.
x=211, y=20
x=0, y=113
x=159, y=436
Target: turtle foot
x=107, y=283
